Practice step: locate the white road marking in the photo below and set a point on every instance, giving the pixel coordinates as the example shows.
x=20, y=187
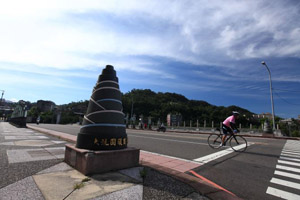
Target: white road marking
x=289, y=163
x=58, y=142
x=292, y=169
x=24, y=137
x=285, y=183
x=154, y=138
x=291, y=151
x=169, y=134
x=190, y=161
x=290, y=155
x=292, y=159
x=282, y=194
x=214, y=156
x=290, y=175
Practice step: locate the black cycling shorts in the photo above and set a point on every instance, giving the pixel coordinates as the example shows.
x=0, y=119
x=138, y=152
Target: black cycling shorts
x=226, y=129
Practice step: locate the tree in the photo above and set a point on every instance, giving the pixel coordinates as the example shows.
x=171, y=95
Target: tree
x=159, y=105
x=33, y=112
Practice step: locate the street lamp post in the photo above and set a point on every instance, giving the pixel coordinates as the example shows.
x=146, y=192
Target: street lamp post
x=131, y=107
x=271, y=93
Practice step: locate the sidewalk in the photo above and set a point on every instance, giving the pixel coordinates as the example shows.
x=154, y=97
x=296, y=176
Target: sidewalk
x=157, y=177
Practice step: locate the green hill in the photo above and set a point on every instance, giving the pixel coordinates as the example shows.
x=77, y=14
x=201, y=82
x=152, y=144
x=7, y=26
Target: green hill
x=158, y=105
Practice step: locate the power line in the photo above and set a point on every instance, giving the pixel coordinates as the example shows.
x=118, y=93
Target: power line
x=286, y=100
x=284, y=90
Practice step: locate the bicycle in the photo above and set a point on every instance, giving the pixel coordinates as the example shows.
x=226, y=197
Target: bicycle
x=237, y=142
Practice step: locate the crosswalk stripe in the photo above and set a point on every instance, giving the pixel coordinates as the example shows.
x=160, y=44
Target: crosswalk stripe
x=291, y=151
x=291, y=155
x=282, y=194
x=292, y=169
x=293, y=142
x=292, y=147
x=285, y=183
x=289, y=163
x=289, y=175
x=292, y=159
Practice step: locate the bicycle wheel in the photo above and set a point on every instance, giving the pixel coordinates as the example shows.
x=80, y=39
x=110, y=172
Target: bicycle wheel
x=214, y=141
x=238, y=143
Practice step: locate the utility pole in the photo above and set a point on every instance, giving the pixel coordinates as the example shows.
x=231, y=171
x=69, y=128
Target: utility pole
x=272, y=103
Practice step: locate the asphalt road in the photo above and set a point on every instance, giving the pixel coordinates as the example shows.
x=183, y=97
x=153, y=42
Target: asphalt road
x=246, y=174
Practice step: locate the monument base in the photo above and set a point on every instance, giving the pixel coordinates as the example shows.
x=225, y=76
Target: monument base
x=95, y=162
x=268, y=135
x=20, y=122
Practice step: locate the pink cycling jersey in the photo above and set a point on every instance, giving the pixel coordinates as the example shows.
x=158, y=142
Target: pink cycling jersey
x=228, y=120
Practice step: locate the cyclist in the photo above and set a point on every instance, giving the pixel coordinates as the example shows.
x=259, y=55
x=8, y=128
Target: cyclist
x=228, y=126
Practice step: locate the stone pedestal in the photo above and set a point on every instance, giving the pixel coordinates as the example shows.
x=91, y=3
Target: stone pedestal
x=20, y=122
x=96, y=162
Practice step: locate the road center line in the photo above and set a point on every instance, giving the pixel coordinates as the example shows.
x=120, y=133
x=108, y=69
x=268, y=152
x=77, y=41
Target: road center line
x=176, y=135
x=154, y=138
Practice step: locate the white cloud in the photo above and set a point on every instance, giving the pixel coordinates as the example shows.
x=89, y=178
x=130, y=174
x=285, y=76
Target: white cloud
x=14, y=100
x=63, y=34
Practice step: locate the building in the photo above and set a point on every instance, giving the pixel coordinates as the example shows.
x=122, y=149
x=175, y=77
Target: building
x=263, y=116
x=174, y=120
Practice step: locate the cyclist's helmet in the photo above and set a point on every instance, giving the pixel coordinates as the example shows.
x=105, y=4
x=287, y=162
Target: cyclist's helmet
x=236, y=113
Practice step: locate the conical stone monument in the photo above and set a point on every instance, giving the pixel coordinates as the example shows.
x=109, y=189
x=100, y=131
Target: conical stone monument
x=103, y=124
x=102, y=141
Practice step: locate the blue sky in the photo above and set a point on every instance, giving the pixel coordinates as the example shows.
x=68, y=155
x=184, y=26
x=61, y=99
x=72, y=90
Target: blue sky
x=205, y=50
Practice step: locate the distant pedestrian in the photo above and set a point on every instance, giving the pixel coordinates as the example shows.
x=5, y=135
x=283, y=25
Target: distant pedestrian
x=38, y=120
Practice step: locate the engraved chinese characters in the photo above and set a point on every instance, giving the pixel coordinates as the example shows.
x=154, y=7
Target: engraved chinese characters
x=103, y=125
